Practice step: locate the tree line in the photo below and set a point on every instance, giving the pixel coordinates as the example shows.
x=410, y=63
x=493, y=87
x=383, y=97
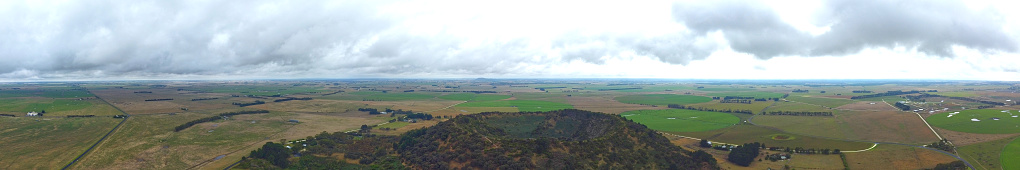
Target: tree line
x=902, y=106
x=149, y=100
x=677, y=106
x=257, y=102
x=292, y=98
x=212, y=118
x=801, y=150
x=199, y=99
x=745, y=154
x=861, y=91
x=789, y=113
x=800, y=91
x=81, y=115
x=888, y=93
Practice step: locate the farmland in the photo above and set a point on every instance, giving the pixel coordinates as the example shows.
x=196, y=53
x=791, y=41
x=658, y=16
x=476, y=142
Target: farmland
x=678, y=120
x=1009, y=153
x=521, y=105
x=662, y=99
x=963, y=122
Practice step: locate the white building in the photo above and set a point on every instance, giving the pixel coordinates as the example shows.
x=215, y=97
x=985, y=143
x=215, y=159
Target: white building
x=32, y=114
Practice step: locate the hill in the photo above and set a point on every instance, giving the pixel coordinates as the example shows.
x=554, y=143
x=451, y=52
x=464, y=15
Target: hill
x=564, y=139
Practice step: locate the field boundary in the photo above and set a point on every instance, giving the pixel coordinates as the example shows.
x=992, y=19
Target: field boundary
x=104, y=136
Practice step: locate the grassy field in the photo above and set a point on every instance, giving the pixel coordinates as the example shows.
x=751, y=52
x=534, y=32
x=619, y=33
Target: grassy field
x=745, y=133
x=813, y=125
x=985, y=155
x=260, y=90
x=755, y=94
x=681, y=120
x=521, y=105
x=44, y=92
x=797, y=107
x=1011, y=153
x=662, y=99
x=472, y=97
x=23, y=105
x=657, y=88
x=33, y=143
x=896, y=157
x=394, y=125
x=962, y=122
x=380, y=96
x=827, y=102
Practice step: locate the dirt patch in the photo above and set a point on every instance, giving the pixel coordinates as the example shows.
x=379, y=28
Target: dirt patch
x=606, y=105
x=964, y=139
x=868, y=106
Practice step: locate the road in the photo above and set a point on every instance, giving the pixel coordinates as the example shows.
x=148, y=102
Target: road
x=104, y=136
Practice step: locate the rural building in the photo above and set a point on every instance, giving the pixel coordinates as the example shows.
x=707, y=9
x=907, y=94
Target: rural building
x=32, y=114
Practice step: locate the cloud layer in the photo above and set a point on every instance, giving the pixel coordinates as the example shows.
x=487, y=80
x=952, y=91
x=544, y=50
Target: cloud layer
x=69, y=40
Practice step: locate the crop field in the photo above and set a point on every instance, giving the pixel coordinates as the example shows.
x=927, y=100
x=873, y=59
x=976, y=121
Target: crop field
x=1010, y=153
x=23, y=106
x=472, y=97
x=662, y=99
x=606, y=104
x=963, y=122
x=755, y=106
x=657, y=88
x=755, y=94
x=896, y=157
x=259, y=90
x=903, y=127
x=985, y=155
x=799, y=107
x=45, y=93
x=521, y=105
x=34, y=143
x=744, y=133
x=824, y=101
x=380, y=96
x=826, y=126
x=681, y=120
x=868, y=106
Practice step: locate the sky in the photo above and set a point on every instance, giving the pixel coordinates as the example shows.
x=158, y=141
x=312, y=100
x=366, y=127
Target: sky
x=43, y=40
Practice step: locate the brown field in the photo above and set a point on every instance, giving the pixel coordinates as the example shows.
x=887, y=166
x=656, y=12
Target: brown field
x=964, y=139
x=606, y=105
x=886, y=126
x=799, y=161
x=867, y=106
x=896, y=157
x=48, y=143
x=134, y=103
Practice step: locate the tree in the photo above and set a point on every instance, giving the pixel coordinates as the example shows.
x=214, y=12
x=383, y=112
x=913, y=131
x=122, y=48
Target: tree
x=274, y=153
x=705, y=143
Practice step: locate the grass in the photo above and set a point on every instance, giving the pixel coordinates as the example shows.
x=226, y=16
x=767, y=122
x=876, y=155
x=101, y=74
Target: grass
x=394, y=125
x=812, y=125
x=985, y=155
x=473, y=97
x=47, y=93
x=260, y=90
x=1011, y=151
x=681, y=120
x=827, y=102
x=662, y=99
x=746, y=133
x=37, y=105
x=380, y=96
x=31, y=143
x=656, y=89
x=755, y=94
x=521, y=105
x=797, y=107
x=962, y=122
x=724, y=89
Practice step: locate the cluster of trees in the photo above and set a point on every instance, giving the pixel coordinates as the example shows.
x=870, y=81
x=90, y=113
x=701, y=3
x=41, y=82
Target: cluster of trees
x=902, y=106
x=799, y=91
x=677, y=106
x=805, y=151
x=371, y=111
x=745, y=154
x=275, y=153
x=942, y=145
x=861, y=91
x=338, y=91
x=789, y=113
x=955, y=165
x=735, y=101
x=8, y=115
x=398, y=111
x=257, y=102
x=81, y=115
x=292, y=98
x=143, y=92
x=785, y=95
x=888, y=93
x=212, y=118
x=423, y=116
x=149, y=100
x=199, y=99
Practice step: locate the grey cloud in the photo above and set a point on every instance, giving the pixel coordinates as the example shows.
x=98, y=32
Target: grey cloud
x=931, y=27
x=675, y=48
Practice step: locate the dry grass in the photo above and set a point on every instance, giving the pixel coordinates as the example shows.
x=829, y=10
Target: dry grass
x=868, y=106
x=886, y=126
x=896, y=157
x=606, y=104
x=964, y=139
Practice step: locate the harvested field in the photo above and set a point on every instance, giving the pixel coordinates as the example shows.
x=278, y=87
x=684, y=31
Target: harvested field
x=963, y=139
x=886, y=126
x=606, y=105
x=868, y=106
x=896, y=157
x=34, y=143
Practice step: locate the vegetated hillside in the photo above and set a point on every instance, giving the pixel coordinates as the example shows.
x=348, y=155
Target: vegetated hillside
x=564, y=139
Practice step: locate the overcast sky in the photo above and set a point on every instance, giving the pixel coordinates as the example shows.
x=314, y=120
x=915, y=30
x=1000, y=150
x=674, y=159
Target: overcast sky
x=252, y=39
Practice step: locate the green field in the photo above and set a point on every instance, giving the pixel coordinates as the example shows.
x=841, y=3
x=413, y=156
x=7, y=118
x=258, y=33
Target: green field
x=662, y=99
x=755, y=94
x=681, y=120
x=810, y=125
x=827, y=102
x=267, y=90
x=37, y=105
x=47, y=93
x=656, y=88
x=472, y=97
x=797, y=107
x=31, y=143
x=1011, y=152
x=522, y=105
x=984, y=155
x=724, y=89
x=380, y=96
x=962, y=122
x=746, y=133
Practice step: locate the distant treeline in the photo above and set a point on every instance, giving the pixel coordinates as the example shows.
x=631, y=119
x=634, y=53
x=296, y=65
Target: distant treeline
x=292, y=98
x=889, y=93
x=735, y=101
x=8, y=115
x=805, y=150
x=338, y=91
x=632, y=88
x=789, y=113
x=902, y=106
x=212, y=118
x=143, y=92
x=456, y=91
x=371, y=111
x=81, y=115
x=800, y=91
x=257, y=102
x=861, y=91
x=677, y=106
x=214, y=98
x=149, y=100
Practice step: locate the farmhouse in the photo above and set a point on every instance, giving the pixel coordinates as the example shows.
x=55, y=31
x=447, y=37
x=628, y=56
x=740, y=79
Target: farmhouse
x=32, y=114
